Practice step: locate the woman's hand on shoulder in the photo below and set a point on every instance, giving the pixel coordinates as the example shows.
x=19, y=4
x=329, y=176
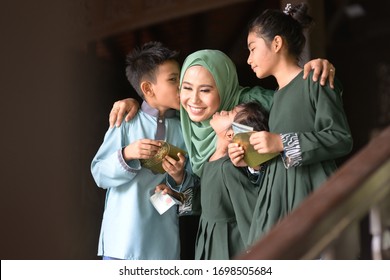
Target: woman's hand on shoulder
x=128, y=106
x=322, y=69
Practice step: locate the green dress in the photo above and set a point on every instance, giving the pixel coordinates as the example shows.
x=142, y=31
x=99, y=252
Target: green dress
x=228, y=198
x=314, y=132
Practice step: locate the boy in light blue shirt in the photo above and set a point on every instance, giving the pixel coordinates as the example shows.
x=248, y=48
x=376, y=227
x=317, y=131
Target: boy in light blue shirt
x=131, y=227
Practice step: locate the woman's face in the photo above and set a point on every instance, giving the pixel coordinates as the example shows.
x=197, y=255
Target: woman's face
x=199, y=95
x=260, y=57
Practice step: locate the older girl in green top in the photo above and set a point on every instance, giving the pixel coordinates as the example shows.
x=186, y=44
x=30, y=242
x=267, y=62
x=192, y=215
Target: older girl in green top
x=307, y=122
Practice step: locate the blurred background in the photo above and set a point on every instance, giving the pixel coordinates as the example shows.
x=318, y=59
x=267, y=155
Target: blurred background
x=62, y=68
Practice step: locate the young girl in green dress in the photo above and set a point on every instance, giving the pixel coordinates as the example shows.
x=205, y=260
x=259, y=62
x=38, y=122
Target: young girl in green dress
x=307, y=122
x=228, y=193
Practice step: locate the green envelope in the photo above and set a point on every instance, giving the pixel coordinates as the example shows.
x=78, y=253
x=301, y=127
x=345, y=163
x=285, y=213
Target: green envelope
x=155, y=163
x=251, y=156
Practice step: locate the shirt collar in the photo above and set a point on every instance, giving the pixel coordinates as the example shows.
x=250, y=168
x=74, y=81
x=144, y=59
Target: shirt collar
x=146, y=108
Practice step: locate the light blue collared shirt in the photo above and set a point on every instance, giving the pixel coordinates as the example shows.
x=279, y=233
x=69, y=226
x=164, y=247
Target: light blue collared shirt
x=131, y=227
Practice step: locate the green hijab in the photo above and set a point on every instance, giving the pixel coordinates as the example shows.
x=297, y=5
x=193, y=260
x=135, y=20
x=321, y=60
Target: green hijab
x=199, y=137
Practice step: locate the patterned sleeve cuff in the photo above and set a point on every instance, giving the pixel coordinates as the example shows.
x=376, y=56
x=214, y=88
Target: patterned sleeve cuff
x=132, y=166
x=292, y=156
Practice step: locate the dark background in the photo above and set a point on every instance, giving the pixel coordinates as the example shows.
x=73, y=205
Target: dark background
x=58, y=84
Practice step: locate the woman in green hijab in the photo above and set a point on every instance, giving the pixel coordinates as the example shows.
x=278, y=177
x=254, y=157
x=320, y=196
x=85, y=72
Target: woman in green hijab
x=199, y=136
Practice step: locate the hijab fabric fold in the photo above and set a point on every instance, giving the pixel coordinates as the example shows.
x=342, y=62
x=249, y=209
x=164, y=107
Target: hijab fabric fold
x=199, y=137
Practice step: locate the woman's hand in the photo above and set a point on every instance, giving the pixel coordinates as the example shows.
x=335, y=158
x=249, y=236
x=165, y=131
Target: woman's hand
x=323, y=67
x=120, y=108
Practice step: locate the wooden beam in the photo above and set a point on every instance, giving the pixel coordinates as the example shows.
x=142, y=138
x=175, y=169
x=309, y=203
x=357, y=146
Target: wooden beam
x=94, y=20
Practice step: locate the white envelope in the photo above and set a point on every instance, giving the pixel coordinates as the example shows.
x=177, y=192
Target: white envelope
x=162, y=202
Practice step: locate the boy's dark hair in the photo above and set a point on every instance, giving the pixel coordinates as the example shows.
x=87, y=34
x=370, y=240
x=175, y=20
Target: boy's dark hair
x=254, y=115
x=141, y=63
